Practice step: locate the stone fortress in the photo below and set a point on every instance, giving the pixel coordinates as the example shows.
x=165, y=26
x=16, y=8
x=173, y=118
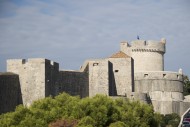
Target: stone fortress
x=135, y=72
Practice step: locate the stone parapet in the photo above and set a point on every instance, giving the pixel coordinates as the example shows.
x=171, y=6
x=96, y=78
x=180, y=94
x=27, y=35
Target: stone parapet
x=166, y=96
x=158, y=81
x=147, y=46
x=159, y=75
x=142, y=97
x=166, y=107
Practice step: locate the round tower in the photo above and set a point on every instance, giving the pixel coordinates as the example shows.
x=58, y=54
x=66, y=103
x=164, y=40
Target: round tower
x=147, y=55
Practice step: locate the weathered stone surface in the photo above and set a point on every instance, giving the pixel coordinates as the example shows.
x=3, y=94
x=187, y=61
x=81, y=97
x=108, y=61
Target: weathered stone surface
x=74, y=83
x=98, y=77
x=10, y=92
x=147, y=55
x=37, y=77
x=136, y=72
x=120, y=76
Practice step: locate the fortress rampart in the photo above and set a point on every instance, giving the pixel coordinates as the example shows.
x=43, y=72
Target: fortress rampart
x=164, y=88
x=10, y=94
x=159, y=81
x=74, y=82
x=135, y=72
x=166, y=75
x=37, y=77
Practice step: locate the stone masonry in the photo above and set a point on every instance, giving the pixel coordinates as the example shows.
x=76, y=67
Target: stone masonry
x=135, y=72
x=10, y=94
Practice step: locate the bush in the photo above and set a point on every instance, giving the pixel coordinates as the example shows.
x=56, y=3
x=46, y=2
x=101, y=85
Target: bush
x=186, y=86
x=64, y=123
x=86, y=121
x=99, y=111
x=118, y=124
x=170, y=120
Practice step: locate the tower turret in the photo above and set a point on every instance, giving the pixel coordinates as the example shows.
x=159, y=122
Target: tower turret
x=147, y=55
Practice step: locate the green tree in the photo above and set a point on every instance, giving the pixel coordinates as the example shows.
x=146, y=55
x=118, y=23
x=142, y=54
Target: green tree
x=186, y=86
x=118, y=124
x=170, y=120
x=64, y=123
x=87, y=121
x=99, y=111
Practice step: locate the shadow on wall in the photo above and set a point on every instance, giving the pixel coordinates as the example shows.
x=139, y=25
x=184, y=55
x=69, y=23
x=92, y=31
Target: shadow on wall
x=20, y=100
x=112, y=84
x=10, y=92
x=132, y=75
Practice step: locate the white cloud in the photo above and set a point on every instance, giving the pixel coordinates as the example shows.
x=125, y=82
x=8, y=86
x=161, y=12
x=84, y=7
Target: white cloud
x=71, y=31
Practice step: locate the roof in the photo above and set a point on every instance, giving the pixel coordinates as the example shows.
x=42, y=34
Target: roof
x=120, y=54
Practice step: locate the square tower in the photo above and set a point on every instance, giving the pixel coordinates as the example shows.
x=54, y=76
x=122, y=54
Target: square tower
x=37, y=77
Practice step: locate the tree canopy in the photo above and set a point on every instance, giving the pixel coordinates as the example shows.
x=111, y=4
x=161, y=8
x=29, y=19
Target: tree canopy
x=98, y=111
x=186, y=87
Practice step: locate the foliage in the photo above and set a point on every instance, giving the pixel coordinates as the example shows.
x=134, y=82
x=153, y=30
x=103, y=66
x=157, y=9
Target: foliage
x=170, y=120
x=65, y=110
x=86, y=121
x=64, y=123
x=186, y=87
x=118, y=124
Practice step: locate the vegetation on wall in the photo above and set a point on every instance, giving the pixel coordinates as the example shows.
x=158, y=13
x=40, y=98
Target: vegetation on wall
x=186, y=87
x=99, y=111
x=170, y=120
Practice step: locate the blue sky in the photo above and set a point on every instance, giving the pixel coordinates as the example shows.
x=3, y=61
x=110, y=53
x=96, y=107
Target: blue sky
x=71, y=31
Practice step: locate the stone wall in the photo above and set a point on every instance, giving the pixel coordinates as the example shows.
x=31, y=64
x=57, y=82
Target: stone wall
x=136, y=72
x=164, y=88
x=112, y=76
x=10, y=92
x=120, y=76
x=74, y=82
x=158, y=81
x=147, y=55
x=51, y=77
x=142, y=97
x=184, y=106
x=36, y=77
x=98, y=77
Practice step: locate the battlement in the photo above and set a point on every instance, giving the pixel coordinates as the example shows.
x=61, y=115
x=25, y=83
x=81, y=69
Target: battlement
x=31, y=61
x=145, y=46
x=159, y=75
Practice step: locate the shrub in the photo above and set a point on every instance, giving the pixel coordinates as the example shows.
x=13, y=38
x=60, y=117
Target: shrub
x=66, y=110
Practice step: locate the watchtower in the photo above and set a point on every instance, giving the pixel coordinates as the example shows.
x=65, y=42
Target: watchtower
x=37, y=77
x=147, y=55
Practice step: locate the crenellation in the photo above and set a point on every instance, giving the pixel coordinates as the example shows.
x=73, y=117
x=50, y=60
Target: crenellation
x=138, y=43
x=166, y=75
x=163, y=40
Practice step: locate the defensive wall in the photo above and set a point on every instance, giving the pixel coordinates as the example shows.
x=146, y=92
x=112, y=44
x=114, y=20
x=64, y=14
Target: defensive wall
x=112, y=77
x=142, y=97
x=74, y=83
x=37, y=77
x=10, y=94
x=135, y=72
x=158, y=81
x=165, y=90
x=98, y=77
x=120, y=75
